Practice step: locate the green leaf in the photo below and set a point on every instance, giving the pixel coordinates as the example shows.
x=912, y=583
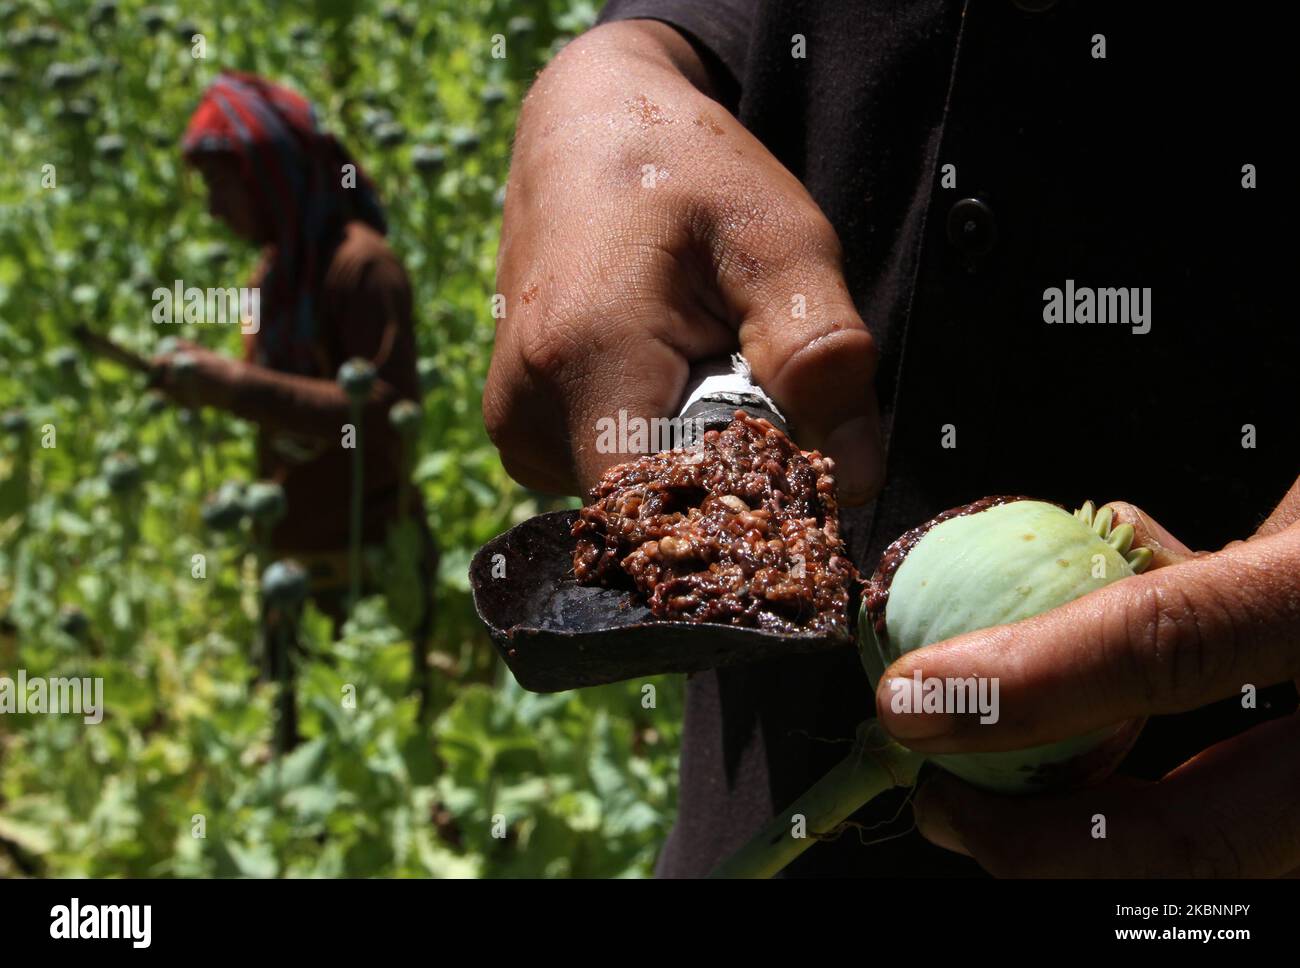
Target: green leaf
x=253, y=860
x=31, y=837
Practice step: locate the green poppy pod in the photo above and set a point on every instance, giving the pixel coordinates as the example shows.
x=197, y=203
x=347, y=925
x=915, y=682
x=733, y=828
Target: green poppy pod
x=995, y=562
x=357, y=376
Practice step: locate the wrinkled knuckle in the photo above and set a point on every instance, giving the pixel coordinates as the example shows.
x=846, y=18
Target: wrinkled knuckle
x=1170, y=645
x=819, y=235
x=758, y=236
x=797, y=238
x=548, y=349
x=1141, y=619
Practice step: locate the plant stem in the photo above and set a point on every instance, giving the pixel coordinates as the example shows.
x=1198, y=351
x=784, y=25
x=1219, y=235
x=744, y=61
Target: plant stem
x=406, y=449
x=874, y=765
x=24, y=569
x=354, y=543
x=286, y=717
x=127, y=516
x=196, y=436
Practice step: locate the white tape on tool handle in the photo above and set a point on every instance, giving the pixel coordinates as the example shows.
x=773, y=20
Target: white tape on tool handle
x=729, y=382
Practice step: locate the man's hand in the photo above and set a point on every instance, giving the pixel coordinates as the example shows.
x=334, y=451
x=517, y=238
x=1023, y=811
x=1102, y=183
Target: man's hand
x=646, y=229
x=1195, y=629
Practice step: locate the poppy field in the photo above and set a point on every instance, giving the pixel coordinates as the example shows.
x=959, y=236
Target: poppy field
x=131, y=529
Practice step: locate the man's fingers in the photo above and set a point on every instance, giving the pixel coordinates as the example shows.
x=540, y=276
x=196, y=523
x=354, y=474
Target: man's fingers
x=1148, y=533
x=821, y=378
x=1167, y=641
x=1231, y=811
x=678, y=236
x=552, y=406
x=563, y=364
x=809, y=348
x=1284, y=515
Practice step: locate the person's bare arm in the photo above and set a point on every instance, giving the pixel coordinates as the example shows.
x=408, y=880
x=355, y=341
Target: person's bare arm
x=646, y=229
x=375, y=325
x=309, y=406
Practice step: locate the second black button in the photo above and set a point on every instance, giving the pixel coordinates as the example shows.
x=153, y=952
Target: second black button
x=971, y=226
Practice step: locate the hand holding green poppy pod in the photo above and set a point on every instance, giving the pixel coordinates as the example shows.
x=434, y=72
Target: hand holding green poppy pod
x=993, y=563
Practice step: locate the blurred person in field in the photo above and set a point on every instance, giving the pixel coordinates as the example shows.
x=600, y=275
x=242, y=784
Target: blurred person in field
x=331, y=290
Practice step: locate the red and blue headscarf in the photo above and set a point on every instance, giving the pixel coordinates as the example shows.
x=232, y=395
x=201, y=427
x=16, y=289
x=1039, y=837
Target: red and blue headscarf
x=295, y=172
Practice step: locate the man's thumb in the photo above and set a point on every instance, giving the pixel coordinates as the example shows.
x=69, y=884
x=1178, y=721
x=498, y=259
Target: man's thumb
x=810, y=350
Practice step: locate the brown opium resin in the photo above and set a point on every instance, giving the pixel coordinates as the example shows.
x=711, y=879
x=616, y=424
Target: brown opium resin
x=743, y=530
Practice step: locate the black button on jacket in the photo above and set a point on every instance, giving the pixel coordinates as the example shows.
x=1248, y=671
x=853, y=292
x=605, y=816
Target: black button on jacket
x=975, y=157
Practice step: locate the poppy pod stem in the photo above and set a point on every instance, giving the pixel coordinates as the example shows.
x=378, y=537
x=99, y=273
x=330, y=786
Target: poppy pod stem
x=354, y=530
x=357, y=377
x=405, y=417
x=874, y=765
x=284, y=588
